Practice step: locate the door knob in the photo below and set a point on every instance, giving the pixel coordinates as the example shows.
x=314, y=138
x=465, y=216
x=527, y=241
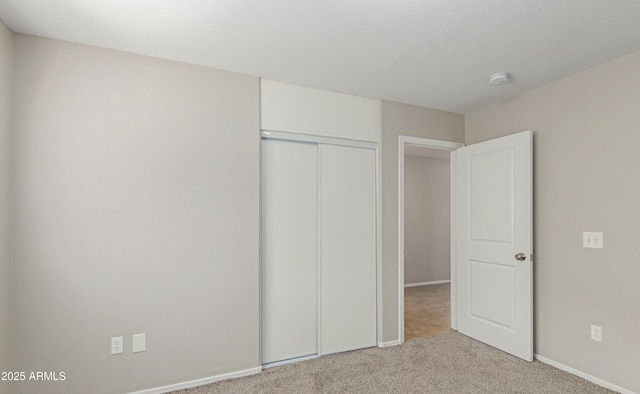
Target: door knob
x=521, y=257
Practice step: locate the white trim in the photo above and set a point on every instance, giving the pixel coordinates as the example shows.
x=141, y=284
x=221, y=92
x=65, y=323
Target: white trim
x=260, y=239
x=454, y=239
x=317, y=139
x=289, y=361
x=429, y=143
x=260, y=255
x=433, y=282
x=433, y=144
x=199, y=382
x=389, y=344
x=319, y=252
x=584, y=375
x=401, y=141
x=379, y=315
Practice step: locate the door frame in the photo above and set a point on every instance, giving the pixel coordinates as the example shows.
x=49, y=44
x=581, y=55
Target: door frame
x=432, y=144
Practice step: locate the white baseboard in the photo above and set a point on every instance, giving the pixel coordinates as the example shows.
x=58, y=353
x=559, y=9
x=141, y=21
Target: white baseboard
x=435, y=282
x=389, y=344
x=200, y=382
x=289, y=361
x=593, y=379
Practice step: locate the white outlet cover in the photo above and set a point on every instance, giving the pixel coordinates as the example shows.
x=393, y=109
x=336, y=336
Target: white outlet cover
x=139, y=343
x=117, y=345
x=596, y=333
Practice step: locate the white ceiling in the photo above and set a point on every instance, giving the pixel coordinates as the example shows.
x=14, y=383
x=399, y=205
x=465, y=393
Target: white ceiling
x=433, y=53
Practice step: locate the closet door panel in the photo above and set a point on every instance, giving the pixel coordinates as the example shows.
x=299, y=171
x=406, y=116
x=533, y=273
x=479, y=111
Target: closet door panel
x=289, y=249
x=348, y=212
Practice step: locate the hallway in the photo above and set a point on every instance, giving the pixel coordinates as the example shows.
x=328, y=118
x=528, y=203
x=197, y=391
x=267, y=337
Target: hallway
x=427, y=311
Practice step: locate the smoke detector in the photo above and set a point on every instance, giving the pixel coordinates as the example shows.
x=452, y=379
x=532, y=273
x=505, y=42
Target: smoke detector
x=499, y=78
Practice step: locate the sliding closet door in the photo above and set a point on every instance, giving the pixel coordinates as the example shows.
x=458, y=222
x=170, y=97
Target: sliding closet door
x=348, y=250
x=289, y=249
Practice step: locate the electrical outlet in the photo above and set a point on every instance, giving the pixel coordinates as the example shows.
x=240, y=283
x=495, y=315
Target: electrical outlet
x=596, y=333
x=117, y=345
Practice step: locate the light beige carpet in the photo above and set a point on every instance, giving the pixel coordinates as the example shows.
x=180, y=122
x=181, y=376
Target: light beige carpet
x=450, y=363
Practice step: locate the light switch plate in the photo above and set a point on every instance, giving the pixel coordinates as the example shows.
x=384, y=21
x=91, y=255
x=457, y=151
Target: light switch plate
x=139, y=343
x=592, y=240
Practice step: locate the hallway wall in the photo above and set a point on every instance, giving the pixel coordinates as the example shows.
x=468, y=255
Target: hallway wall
x=427, y=219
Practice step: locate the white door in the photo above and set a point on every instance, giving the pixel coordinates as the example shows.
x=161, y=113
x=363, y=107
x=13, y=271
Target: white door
x=348, y=249
x=494, y=243
x=289, y=249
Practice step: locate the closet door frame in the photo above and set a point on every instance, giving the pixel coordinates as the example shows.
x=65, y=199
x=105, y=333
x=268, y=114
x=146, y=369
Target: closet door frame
x=286, y=136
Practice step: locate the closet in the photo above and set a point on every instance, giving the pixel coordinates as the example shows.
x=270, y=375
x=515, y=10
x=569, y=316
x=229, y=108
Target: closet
x=319, y=242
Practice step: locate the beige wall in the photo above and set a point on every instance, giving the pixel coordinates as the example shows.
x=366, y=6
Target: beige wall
x=587, y=133
x=427, y=219
x=6, y=66
x=403, y=119
x=128, y=218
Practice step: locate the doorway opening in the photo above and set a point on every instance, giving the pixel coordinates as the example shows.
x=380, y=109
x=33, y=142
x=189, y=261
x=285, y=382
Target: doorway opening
x=426, y=252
